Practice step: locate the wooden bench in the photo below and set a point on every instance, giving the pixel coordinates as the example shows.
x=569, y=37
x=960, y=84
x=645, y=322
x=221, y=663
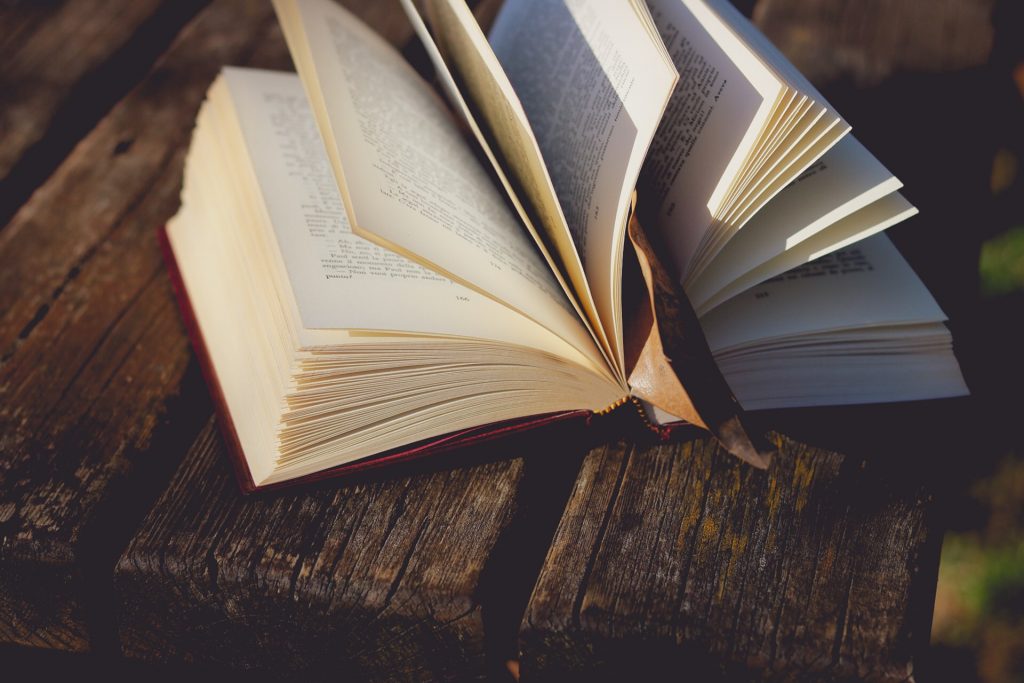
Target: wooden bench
x=123, y=535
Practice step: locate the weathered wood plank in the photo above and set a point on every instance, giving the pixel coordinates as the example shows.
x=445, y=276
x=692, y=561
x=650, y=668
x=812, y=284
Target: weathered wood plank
x=679, y=559
x=65, y=65
x=97, y=406
x=380, y=580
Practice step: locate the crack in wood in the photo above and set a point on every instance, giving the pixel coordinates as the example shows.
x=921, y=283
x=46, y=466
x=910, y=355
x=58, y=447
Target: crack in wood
x=577, y=610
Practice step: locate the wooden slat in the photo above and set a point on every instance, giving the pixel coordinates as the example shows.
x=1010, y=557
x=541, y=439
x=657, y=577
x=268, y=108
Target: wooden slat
x=678, y=558
x=46, y=50
x=93, y=355
x=64, y=65
x=368, y=581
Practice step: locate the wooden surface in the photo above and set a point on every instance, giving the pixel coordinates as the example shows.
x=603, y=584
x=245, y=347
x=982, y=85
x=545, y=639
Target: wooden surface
x=92, y=359
x=673, y=558
x=379, y=580
x=122, y=534
x=64, y=66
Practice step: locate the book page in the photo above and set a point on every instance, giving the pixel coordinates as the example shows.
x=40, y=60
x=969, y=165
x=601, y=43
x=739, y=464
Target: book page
x=813, y=142
x=325, y=262
x=408, y=178
x=762, y=49
x=722, y=102
x=339, y=280
x=765, y=50
x=877, y=216
x=845, y=179
x=593, y=83
x=480, y=78
x=580, y=299
x=867, y=284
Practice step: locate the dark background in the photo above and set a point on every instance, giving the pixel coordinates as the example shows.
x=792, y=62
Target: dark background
x=939, y=97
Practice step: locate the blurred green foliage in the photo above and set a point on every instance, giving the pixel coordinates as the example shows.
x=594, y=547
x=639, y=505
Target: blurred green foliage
x=1002, y=263
x=980, y=596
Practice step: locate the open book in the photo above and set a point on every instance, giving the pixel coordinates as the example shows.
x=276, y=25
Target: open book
x=375, y=267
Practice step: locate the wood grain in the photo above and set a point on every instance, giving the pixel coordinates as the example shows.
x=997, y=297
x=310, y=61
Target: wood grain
x=378, y=580
x=679, y=558
x=64, y=66
x=93, y=358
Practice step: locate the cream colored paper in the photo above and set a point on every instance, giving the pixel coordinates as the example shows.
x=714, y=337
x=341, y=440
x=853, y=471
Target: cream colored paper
x=593, y=84
x=414, y=185
x=485, y=85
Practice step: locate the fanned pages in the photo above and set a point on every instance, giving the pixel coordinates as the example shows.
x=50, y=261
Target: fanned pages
x=581, y=301
x=374, y=271
x=593, y=82
x=413, y=183
x=468, y=59
x=854, y=327
x=739, y=128
x=823, y=199
x=368, y=351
